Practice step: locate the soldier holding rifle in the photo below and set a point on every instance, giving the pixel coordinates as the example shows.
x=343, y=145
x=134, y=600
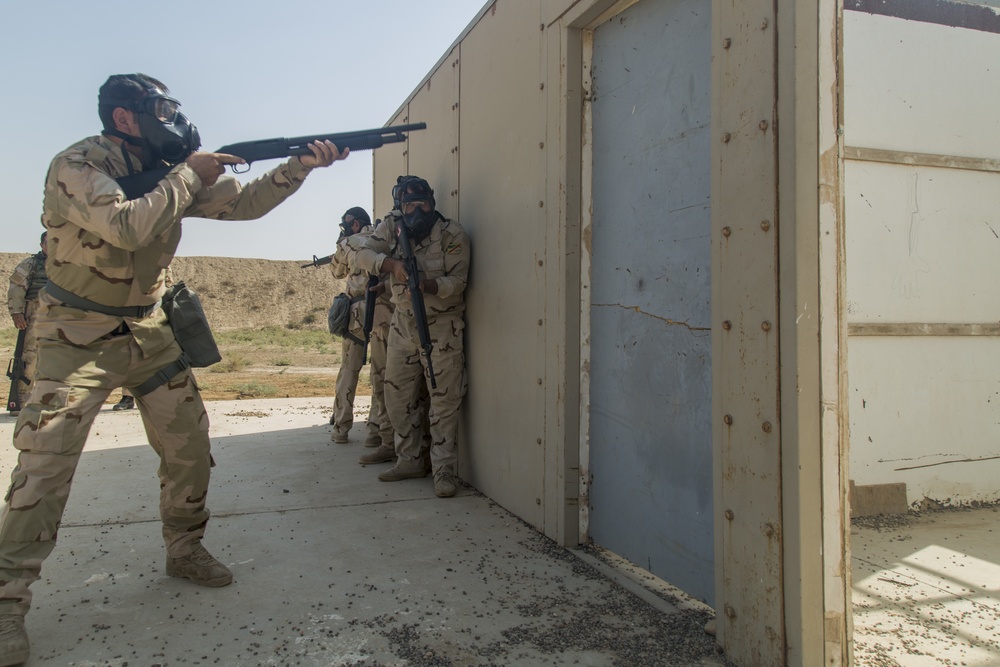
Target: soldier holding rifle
x=427, y=258
x=22, y=303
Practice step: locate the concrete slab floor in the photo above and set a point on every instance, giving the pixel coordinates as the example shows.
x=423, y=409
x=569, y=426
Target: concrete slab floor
x=332, y=567
x=926, y=589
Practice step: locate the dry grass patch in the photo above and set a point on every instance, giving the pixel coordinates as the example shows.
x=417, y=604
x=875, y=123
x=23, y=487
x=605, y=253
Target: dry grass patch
x=267, y=362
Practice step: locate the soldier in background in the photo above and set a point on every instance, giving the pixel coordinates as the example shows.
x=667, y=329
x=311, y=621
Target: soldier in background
x=26, y=280
x=380, y=432
x=354, y=223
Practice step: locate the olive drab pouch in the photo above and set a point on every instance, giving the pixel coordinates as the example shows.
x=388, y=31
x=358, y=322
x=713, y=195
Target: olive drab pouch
x=339, y=315
x=190, y=326
x=338, y=318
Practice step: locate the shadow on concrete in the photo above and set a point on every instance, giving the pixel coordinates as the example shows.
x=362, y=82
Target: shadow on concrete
x=331, y=566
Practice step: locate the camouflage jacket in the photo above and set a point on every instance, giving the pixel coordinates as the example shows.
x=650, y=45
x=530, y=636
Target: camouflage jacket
x=114, y=251
x=357, y=279
x=28, y=277
x=443, y=257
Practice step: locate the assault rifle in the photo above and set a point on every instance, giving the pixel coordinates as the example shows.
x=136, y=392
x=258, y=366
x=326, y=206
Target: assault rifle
x=15, y=371
x=318, y=261
x=370, y=298
x=416, y=297
x=144, y=182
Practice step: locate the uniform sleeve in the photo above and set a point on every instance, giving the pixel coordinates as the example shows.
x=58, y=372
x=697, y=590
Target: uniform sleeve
x=339, y=264
x=18, y=288
x=369, y=253
x=229, y=199
x=93, y=201
x=456, y=263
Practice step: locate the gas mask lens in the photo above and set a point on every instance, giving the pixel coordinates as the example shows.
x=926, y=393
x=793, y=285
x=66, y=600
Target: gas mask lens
x=165, y=109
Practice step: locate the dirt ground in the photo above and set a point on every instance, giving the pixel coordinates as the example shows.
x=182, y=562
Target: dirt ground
x=254, y=294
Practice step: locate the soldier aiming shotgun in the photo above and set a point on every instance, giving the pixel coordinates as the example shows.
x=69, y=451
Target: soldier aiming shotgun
x=138, y=184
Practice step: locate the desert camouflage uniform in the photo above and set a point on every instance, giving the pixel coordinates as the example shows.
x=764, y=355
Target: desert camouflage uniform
x=351, y=351
x=114, y=252
x=378, y=417
x=22, y=297
x=444, y=257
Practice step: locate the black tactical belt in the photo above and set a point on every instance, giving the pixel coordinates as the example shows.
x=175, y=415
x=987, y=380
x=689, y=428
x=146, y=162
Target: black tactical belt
x=75, y=301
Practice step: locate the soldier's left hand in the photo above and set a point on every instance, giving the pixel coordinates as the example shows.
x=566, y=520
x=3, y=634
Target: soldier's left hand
x=324, y=153
x=429, y=286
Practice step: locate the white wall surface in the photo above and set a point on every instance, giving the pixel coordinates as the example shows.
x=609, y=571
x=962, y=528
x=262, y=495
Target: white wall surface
x=920, y=87
x=923, y=247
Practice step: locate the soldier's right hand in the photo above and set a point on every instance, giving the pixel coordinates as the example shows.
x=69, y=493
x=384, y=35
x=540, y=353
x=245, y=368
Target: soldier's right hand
x=209, y=166
x=396, y=267
x=19, y=321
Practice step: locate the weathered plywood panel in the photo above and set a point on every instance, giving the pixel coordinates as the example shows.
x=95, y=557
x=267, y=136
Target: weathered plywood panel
x=925, y=411
x=745, y=378
x=503, y=207
x=388, y=163
x=433, y=153
x=920, y=87
x=923, y=244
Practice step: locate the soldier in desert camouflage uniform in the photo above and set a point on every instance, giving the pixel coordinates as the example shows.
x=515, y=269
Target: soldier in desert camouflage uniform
x=354, y=223
x=380, y=432
x=441, y=248
x=26, y=281
x=99, y=327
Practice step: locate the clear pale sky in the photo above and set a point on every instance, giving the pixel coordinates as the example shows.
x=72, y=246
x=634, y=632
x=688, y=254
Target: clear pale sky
x=242, y=70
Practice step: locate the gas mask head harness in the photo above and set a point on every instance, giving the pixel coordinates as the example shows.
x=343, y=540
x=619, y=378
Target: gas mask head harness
x=167, y=136
x=416, y=203
x=352, y=215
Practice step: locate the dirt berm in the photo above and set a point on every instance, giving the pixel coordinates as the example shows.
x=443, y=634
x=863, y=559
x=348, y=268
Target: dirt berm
x=247, y=293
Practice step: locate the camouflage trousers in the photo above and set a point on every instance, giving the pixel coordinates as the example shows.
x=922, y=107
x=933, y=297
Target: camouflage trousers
x=378, y=416
x=406, y=377
x=351, y=355
x=30, y=354
x=50, y=434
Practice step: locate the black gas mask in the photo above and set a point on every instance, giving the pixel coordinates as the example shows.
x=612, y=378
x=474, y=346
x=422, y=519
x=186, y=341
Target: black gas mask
x=355, y=214
x=419, y=222
x=168, y=137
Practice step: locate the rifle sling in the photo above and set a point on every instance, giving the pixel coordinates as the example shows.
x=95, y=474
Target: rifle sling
x=75, y=301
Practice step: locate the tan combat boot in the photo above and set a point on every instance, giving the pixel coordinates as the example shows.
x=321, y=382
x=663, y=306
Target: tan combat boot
x=404, y=470
x=200, y=567
x=384, y=454
x=444, y=485
x=374, y=438
x=14, y=648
